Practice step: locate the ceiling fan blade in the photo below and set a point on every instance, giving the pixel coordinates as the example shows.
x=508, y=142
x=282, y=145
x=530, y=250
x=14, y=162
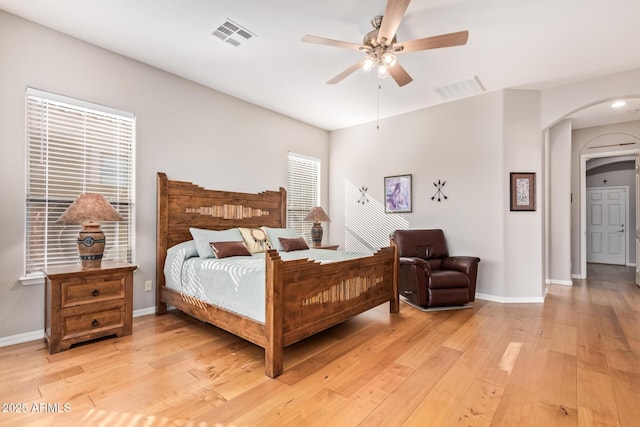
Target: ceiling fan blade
x=393, y=14
x=445, y=40
x=347, y=72
x=335, y=43
x=400, y=75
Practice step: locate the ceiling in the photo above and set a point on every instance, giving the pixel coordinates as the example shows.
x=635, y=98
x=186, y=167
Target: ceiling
x=524, y=44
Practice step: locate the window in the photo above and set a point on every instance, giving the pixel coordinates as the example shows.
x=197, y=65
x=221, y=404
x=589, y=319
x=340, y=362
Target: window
x=303, y=192
x=75, y=147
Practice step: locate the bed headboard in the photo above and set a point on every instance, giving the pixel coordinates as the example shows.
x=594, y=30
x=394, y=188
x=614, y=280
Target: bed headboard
x=181, y=205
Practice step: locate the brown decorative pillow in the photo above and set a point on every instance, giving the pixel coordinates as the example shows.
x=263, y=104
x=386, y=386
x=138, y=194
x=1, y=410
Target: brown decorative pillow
x=295, y=244
x=227, y=249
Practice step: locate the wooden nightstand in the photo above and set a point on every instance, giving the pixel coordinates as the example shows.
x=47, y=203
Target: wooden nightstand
x=82, y=305
x=330, y=247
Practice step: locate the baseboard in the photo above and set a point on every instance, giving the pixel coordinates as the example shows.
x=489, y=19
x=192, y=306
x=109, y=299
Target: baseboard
x=144, y=311
x=559, y=282
x=38, y=335
x=20, y=338
x=578, y=276
x=510, y=300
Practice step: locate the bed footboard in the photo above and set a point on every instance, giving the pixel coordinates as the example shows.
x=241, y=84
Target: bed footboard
x=304, y=297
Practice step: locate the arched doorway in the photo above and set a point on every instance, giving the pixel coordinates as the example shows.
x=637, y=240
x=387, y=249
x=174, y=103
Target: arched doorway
x=598, y=138
x=595, y=149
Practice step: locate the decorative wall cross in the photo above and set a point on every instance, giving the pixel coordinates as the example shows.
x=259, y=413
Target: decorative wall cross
x=439, y=195
x=363, y=195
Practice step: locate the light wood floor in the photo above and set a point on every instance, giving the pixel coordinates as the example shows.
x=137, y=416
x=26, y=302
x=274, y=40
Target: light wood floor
x=573, y=360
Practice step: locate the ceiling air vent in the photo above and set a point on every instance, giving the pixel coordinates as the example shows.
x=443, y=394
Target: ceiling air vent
x=459, y=89
x=233, y=33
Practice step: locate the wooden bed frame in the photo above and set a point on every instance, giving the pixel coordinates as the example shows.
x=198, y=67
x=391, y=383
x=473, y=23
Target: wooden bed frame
x=303, y=297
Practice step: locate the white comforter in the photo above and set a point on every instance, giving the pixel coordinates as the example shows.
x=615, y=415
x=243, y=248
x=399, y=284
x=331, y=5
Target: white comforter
x=234, y=283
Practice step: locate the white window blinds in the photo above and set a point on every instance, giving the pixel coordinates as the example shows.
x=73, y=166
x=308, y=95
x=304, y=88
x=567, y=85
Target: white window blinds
x=74, y=147
x=303, y=192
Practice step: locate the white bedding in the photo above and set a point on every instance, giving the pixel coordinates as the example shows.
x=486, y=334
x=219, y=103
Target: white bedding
x=235, y=283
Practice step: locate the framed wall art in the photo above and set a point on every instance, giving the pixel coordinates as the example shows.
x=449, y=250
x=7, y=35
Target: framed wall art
x=397, y=194
x=523, y=191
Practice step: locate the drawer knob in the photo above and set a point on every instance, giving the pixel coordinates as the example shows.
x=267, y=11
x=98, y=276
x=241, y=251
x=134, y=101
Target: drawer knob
x=95, y=292
x=95, y=323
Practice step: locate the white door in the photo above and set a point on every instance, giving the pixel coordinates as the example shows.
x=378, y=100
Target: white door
x=606, y=233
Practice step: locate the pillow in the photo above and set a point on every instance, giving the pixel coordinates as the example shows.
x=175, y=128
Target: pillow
x=203, y=237
x=295, y=244
x=188, y=249
x=256, y=239
x=227, y=249
x=275, y=233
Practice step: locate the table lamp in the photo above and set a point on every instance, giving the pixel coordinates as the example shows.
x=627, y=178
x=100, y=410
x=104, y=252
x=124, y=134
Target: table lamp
x=317, y=215
x=89, y=209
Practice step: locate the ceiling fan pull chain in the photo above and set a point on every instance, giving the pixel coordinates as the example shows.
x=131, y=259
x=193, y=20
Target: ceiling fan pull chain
x=378, y=107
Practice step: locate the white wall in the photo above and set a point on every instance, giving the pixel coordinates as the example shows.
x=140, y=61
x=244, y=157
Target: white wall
x=561, y=101
x=560, y=204
x=188, y=131
x=523, y=151
x=462, y=143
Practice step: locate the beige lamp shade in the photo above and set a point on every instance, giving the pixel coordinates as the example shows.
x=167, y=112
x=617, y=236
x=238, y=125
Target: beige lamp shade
x=317, y=215
x=89, y=209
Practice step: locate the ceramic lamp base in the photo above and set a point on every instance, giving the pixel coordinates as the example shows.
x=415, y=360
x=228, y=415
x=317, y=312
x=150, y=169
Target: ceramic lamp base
x=316, y=234
x=91, y=243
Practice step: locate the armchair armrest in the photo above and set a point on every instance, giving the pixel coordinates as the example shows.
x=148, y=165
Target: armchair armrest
x=412, y=278
x=464, y=264
x=467, y=265
x=415, y=262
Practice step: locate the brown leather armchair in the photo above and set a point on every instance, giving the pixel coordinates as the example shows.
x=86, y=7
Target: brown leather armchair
x=428, y=276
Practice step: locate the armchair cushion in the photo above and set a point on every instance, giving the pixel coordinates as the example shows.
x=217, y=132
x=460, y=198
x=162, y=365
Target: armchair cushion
x=444, y=279
x=425, y=244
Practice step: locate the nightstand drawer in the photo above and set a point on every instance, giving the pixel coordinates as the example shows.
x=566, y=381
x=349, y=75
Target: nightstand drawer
x=78, y=292
x=96, y=322
x=84, y=304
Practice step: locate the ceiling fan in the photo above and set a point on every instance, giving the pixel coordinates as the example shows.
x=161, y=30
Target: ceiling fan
x=381, y=46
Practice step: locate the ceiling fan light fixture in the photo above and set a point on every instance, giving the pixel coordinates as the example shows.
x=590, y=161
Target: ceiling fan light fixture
x=388, y=59
x=383, y=71
x=368, y=65
x=382, y=59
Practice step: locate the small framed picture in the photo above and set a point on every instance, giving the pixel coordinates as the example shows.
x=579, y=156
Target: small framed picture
x=523, y=191
x=397, y=194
